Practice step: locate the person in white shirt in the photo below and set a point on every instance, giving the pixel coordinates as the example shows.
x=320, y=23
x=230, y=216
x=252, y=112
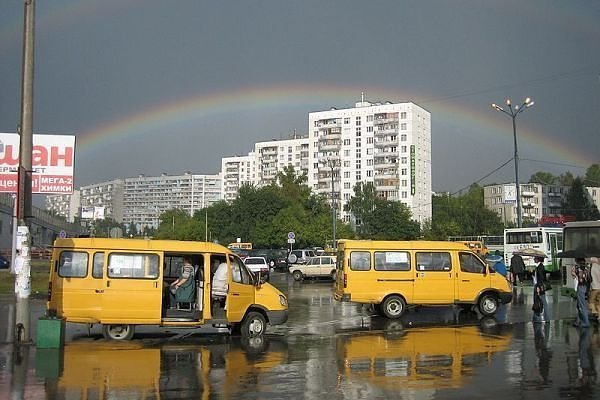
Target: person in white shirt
x=219, y=282
x=595, y=288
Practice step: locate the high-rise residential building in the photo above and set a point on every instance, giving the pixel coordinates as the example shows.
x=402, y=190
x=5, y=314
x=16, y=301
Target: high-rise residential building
x=261, y=165
x=108, y=194
x=145, y=198
x=236, y=171
x=65, y=205
x=387, y=144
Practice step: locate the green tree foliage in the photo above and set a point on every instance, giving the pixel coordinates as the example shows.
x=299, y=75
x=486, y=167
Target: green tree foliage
x=379, y=218
x=545, y=178
x=261, y=215
x=592, y=175
x=579, y=204
x=461, y=216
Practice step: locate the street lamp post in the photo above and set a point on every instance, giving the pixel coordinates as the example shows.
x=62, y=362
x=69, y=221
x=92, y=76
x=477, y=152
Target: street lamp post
x=332, y=164
x=513, y=112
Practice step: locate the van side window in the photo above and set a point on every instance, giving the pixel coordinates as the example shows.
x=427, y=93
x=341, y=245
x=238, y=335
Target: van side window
x=392, y=261
x=470, y=263
x=73, y=264
x=128, y=265
x=360, y=261
x=98, y=267
x=239, y=273
x=433, y=261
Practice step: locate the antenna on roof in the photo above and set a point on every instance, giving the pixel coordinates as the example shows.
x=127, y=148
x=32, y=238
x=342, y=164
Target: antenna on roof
x=362, y=97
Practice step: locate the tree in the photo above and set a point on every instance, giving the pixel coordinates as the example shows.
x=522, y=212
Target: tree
x=579, y=204
x=592, y=175
x=379, y=218
x=544, y=178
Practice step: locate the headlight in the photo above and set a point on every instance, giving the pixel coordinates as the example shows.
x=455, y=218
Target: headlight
x=283, y=300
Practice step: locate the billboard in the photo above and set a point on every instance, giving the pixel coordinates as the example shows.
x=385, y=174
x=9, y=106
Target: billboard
x=52, y=162
x=92, y=212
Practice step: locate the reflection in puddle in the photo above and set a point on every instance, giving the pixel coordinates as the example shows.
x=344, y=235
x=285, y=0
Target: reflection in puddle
x=213, y=366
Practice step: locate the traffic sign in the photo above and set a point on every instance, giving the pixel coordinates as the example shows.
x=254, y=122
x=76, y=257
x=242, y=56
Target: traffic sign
x=291, y=235
x=62, y=234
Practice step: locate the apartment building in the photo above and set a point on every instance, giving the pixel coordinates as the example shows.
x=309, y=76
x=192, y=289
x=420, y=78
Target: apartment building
x=261, y=166
x=145, y=198
x=537, y=200
x=387, y=144
x=65, y=205
x=108, y=195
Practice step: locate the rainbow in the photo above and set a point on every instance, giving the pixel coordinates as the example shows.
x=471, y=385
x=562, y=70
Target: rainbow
x=478, y=123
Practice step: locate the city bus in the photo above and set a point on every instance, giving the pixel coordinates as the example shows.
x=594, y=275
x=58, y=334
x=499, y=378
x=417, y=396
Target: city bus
x=581, y=239
x=548, y=240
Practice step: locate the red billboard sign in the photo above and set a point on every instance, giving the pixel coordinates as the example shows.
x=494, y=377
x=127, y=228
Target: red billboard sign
x=52, y=162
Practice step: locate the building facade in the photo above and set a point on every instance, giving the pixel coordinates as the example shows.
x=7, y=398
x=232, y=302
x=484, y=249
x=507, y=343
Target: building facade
x=387, y=144
x=107, y=195
x=537, y=200
x=145, y=198
x=65, y=205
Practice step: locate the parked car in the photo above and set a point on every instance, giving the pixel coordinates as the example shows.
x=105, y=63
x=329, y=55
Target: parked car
x=258, y=265
x=300, y=256
x=316, y=267
x=4, y=263
x=276, y=258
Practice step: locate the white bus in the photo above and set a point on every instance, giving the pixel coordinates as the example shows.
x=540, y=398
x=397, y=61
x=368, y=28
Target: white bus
x=581, y=239
x=548, y=240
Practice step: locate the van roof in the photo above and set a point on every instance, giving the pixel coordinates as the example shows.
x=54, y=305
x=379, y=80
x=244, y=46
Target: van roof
x=140, y=244
x=401, y=244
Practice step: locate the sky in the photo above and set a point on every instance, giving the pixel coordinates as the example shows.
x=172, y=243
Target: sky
x=154, y=86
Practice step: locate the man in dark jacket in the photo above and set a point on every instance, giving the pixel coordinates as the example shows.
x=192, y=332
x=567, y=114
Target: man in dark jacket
x=517, y=268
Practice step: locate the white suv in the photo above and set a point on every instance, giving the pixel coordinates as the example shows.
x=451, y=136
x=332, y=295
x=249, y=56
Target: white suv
x=300, y=256
x=317, y=267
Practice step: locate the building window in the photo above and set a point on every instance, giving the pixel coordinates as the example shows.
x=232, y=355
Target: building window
x=404, y=149
x=346, y=121
x=403, y=138
x=358, y=177
x=370, y=141
x=369, y=118
x=403, y=115
x=346, y=185
x=357, y=153
x=369, y=173
x=404, y=160
x=357, y=121
x=358, y=131
x=369, y=129
x=404, y=195
x=346, y=142
x=357, y=142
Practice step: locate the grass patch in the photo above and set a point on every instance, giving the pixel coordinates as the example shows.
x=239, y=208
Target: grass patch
x=39, y=279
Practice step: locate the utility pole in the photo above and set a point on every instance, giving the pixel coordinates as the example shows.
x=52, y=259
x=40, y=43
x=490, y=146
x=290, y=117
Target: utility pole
x=23, y=278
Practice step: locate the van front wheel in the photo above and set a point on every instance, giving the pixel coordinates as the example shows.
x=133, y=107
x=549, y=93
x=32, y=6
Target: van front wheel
x=297, y=275
x=488, y=304
x=393, y=307
x=118, y=332
x=254, y=324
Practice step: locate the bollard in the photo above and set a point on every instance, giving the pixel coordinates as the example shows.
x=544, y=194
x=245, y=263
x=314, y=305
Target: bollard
x=50, y=333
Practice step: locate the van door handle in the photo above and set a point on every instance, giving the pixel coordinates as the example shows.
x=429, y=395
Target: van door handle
x=235, y=294
x=99, y=291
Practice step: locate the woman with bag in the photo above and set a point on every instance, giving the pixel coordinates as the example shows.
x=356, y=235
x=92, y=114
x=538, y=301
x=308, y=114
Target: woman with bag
x=540, y=285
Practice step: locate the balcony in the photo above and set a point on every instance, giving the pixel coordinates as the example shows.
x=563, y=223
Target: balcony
x=327, y=146
x=329, y=135
x=329, y=123
x=386, y=131
x=385, y=120
x=528, y=193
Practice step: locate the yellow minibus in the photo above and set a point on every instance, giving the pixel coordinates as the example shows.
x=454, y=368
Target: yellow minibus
x=122, y=283
x=395, y=274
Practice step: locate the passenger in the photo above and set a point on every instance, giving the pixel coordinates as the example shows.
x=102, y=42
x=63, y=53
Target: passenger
x=183, y=288
x=219, y=283
x=517, y=269
x=595, y=287
x=580, y=274
x=539, y=285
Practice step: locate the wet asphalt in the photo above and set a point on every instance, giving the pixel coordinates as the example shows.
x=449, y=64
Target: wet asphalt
x=326, y=349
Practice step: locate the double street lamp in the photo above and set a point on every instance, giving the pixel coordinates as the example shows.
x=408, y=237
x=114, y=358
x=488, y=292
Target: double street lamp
x=513, y=112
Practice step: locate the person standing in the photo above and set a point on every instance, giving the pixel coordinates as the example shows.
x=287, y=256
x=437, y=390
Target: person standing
x=595, y=287
x=580, y=274
x=517, y=267
x=539, y=285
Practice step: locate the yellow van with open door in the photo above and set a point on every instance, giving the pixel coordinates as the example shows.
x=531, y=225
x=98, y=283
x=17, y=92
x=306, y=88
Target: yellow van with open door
x=395, y=274
x=122, y=283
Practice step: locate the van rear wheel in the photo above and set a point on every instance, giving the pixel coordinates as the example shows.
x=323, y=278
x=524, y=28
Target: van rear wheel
x=393, y=306
x=118, y=331
x=488, y=304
